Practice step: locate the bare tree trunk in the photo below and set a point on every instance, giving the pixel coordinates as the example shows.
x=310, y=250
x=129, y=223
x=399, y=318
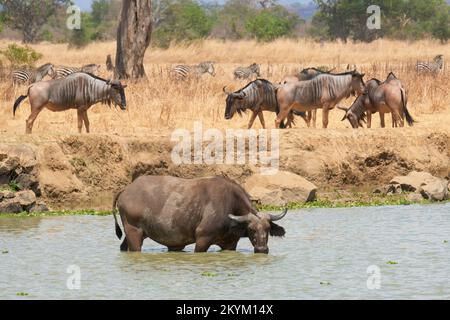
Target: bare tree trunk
x=133, y=38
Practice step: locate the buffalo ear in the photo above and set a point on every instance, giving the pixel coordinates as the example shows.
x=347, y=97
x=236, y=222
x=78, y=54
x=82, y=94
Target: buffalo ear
x=276, y=230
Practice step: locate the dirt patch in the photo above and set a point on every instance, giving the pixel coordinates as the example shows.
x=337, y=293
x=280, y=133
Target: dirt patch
x=84, y=171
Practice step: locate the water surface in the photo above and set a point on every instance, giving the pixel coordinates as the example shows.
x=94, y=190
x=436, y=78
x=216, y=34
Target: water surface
x=325, y=255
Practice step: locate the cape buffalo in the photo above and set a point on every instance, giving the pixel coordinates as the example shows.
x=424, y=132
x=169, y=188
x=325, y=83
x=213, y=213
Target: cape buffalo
x=176, y=212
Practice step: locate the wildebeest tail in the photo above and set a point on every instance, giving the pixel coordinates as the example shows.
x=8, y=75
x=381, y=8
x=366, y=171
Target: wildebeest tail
x=408, y=117
x=118, y=230
x=18, y=102
x=277, y=108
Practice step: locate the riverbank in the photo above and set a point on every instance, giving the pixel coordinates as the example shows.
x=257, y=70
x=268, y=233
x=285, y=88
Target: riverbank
x=83, y=172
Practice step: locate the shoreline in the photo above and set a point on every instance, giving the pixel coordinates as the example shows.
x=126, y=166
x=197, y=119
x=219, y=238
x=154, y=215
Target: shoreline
x=317, y=204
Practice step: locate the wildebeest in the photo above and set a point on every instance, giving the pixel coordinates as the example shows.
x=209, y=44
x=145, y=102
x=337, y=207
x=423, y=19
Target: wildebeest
x=258, y=96
x=382, y=97
x=176, y=212
x=323, y=91
x=78, y=91
x=247, y=72
x=303, y=75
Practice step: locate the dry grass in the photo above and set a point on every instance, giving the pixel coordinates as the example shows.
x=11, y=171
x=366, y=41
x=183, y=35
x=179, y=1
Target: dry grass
x=160, y=104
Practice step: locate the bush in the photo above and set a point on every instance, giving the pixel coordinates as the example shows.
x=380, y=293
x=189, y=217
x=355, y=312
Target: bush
x=21, y=57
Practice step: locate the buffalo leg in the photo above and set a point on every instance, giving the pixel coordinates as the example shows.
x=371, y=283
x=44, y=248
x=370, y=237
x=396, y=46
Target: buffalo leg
x=261, y=119
x=230, y=247
x=124, y=245
x=252, y=119
x=134, y=236
x=86, y=121
x=202, y=244
x=30, y=121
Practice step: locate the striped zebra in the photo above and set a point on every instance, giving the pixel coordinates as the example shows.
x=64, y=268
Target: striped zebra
x=29, y=76
x=183, y=72
x=63, y=71
x=434, y=67
x=247, y=72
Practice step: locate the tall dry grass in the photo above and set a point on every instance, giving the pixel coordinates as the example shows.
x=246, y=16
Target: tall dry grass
x=160, y=104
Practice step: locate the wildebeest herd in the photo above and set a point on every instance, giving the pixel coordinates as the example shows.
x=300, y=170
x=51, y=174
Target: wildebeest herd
x=300, y=94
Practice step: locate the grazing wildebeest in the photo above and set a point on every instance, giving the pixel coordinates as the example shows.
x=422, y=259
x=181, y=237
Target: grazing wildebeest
x=382, y=97
x=27, y=76
x=323, y=91
x=176, y=212
x=258, y=96
x=247, y=72
x=78, y=91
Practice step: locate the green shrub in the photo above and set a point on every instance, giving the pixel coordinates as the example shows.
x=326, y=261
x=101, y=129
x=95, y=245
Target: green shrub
x=20, y=56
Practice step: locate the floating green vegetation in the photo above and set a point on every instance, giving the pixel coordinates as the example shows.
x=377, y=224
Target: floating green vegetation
x=325, y=283
x=22, y=294
x=5, y=251
x=392, y=262
x=445, y=241
x=208, y=274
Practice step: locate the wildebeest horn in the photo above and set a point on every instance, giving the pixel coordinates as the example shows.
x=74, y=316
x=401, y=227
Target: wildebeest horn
x=275, y=217
x=342, y=108
x=225, y=90
x=240, y=219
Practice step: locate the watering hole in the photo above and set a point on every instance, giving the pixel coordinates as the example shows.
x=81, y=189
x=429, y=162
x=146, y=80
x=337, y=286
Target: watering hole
x=325, y=255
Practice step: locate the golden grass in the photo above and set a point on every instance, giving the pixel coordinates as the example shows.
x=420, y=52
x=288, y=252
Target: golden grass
x=160, y=104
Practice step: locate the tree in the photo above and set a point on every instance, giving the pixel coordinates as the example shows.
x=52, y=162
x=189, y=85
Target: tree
x=182, y=20
x=29, y=16
x=272, y=23
x=133, y=38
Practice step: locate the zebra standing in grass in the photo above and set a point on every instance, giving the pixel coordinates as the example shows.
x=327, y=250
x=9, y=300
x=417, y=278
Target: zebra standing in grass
x=183, y=72
x=63, y=72
x=434, y=67
x=30, y=76
x=247, y=72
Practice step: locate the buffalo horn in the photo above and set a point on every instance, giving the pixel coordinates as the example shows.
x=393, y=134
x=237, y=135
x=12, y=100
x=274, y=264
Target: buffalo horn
x=275, y=217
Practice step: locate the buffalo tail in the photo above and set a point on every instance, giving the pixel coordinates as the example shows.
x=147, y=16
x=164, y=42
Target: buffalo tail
x=114, y=211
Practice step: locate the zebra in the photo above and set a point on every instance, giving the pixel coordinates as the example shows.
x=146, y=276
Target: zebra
x=30, y=76
x=434, y=67
x=247, y=72
x=183, y=72
x=63, y=71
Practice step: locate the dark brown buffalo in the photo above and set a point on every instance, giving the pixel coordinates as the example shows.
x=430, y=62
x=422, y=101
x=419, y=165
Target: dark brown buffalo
x=176, y=212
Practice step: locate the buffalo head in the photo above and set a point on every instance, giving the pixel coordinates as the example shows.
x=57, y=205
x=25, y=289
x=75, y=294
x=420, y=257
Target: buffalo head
x=259, y=226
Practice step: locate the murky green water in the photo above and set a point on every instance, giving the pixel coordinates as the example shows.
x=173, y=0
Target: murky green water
x=325, y=255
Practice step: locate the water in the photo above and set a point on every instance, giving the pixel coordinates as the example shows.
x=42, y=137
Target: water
x=325, y=255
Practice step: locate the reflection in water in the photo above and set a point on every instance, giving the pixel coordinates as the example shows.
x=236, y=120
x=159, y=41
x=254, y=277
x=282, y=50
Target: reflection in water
x=325, y=254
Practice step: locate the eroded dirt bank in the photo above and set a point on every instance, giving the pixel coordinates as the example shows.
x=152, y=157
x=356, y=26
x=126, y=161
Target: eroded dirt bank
x=83, y=171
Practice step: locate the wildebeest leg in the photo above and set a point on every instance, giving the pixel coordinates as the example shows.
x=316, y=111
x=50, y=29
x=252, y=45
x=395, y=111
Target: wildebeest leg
x=284, y=112
x=30, y=121
x=314, y=117
x=124, y=245
x=252, y=119
x=382, y=119
x=134, y=236
x=86, y=121
x=290, y=120
x=369, y=119
x=202, y=244
x=325, y=112
x=175, y=249
x=261, y=119
x=80, y=120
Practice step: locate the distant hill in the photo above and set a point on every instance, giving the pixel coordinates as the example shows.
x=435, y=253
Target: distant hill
x=304, y=9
